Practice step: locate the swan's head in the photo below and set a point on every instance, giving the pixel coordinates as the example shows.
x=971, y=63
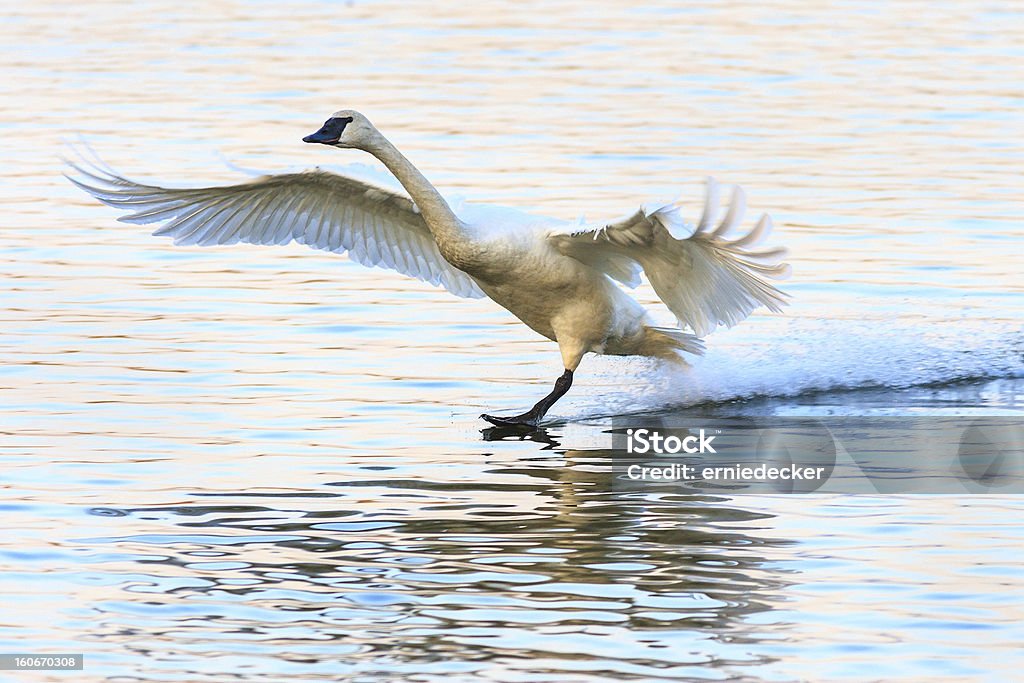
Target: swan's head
x=345, y=128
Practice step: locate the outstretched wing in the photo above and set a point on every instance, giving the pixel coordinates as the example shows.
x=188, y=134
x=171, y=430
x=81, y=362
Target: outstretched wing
x=705, y=278
x=375, y=226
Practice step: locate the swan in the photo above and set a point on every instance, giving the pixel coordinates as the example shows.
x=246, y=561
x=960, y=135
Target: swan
x=562, y=279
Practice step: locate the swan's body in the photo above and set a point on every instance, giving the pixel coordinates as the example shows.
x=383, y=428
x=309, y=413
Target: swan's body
x=559, y=278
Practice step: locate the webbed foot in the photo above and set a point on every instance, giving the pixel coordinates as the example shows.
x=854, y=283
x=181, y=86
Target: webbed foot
x=524, y=420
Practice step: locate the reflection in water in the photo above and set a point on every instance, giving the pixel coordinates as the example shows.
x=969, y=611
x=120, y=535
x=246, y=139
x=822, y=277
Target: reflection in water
x=629, y=582
x=519, y=433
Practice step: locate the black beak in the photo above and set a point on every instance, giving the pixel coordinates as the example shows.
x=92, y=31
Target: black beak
x=330, y=132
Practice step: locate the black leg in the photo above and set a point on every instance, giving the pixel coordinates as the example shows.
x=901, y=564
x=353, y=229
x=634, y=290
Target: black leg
x=534, y=415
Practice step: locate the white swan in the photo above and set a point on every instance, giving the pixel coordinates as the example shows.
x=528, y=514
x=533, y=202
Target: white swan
x=555, y=276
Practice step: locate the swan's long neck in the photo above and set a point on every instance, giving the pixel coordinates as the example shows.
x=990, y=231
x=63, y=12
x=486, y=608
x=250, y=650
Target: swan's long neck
x=446, y=227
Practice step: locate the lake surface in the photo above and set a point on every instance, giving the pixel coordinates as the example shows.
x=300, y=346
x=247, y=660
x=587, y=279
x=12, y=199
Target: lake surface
x=246, y=463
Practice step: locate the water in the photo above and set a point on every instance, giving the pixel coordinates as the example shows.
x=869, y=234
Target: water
x=251, y=463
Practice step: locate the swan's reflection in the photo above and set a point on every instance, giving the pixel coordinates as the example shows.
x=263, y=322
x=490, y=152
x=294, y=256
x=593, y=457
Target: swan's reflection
x=536, y=549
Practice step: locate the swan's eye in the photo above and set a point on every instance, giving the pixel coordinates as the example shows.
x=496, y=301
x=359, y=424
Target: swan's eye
x=337, y=125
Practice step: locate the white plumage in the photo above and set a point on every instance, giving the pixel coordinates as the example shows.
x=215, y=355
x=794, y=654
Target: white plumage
x=704, y=278
x=555, y=276
x=373, y=225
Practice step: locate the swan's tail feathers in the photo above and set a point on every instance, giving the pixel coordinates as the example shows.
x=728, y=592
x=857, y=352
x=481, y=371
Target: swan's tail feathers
x=667, y=343
x=711, y=277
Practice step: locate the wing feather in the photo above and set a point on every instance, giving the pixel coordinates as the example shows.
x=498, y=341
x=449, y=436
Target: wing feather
x=376, y=226
x=703, y=277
